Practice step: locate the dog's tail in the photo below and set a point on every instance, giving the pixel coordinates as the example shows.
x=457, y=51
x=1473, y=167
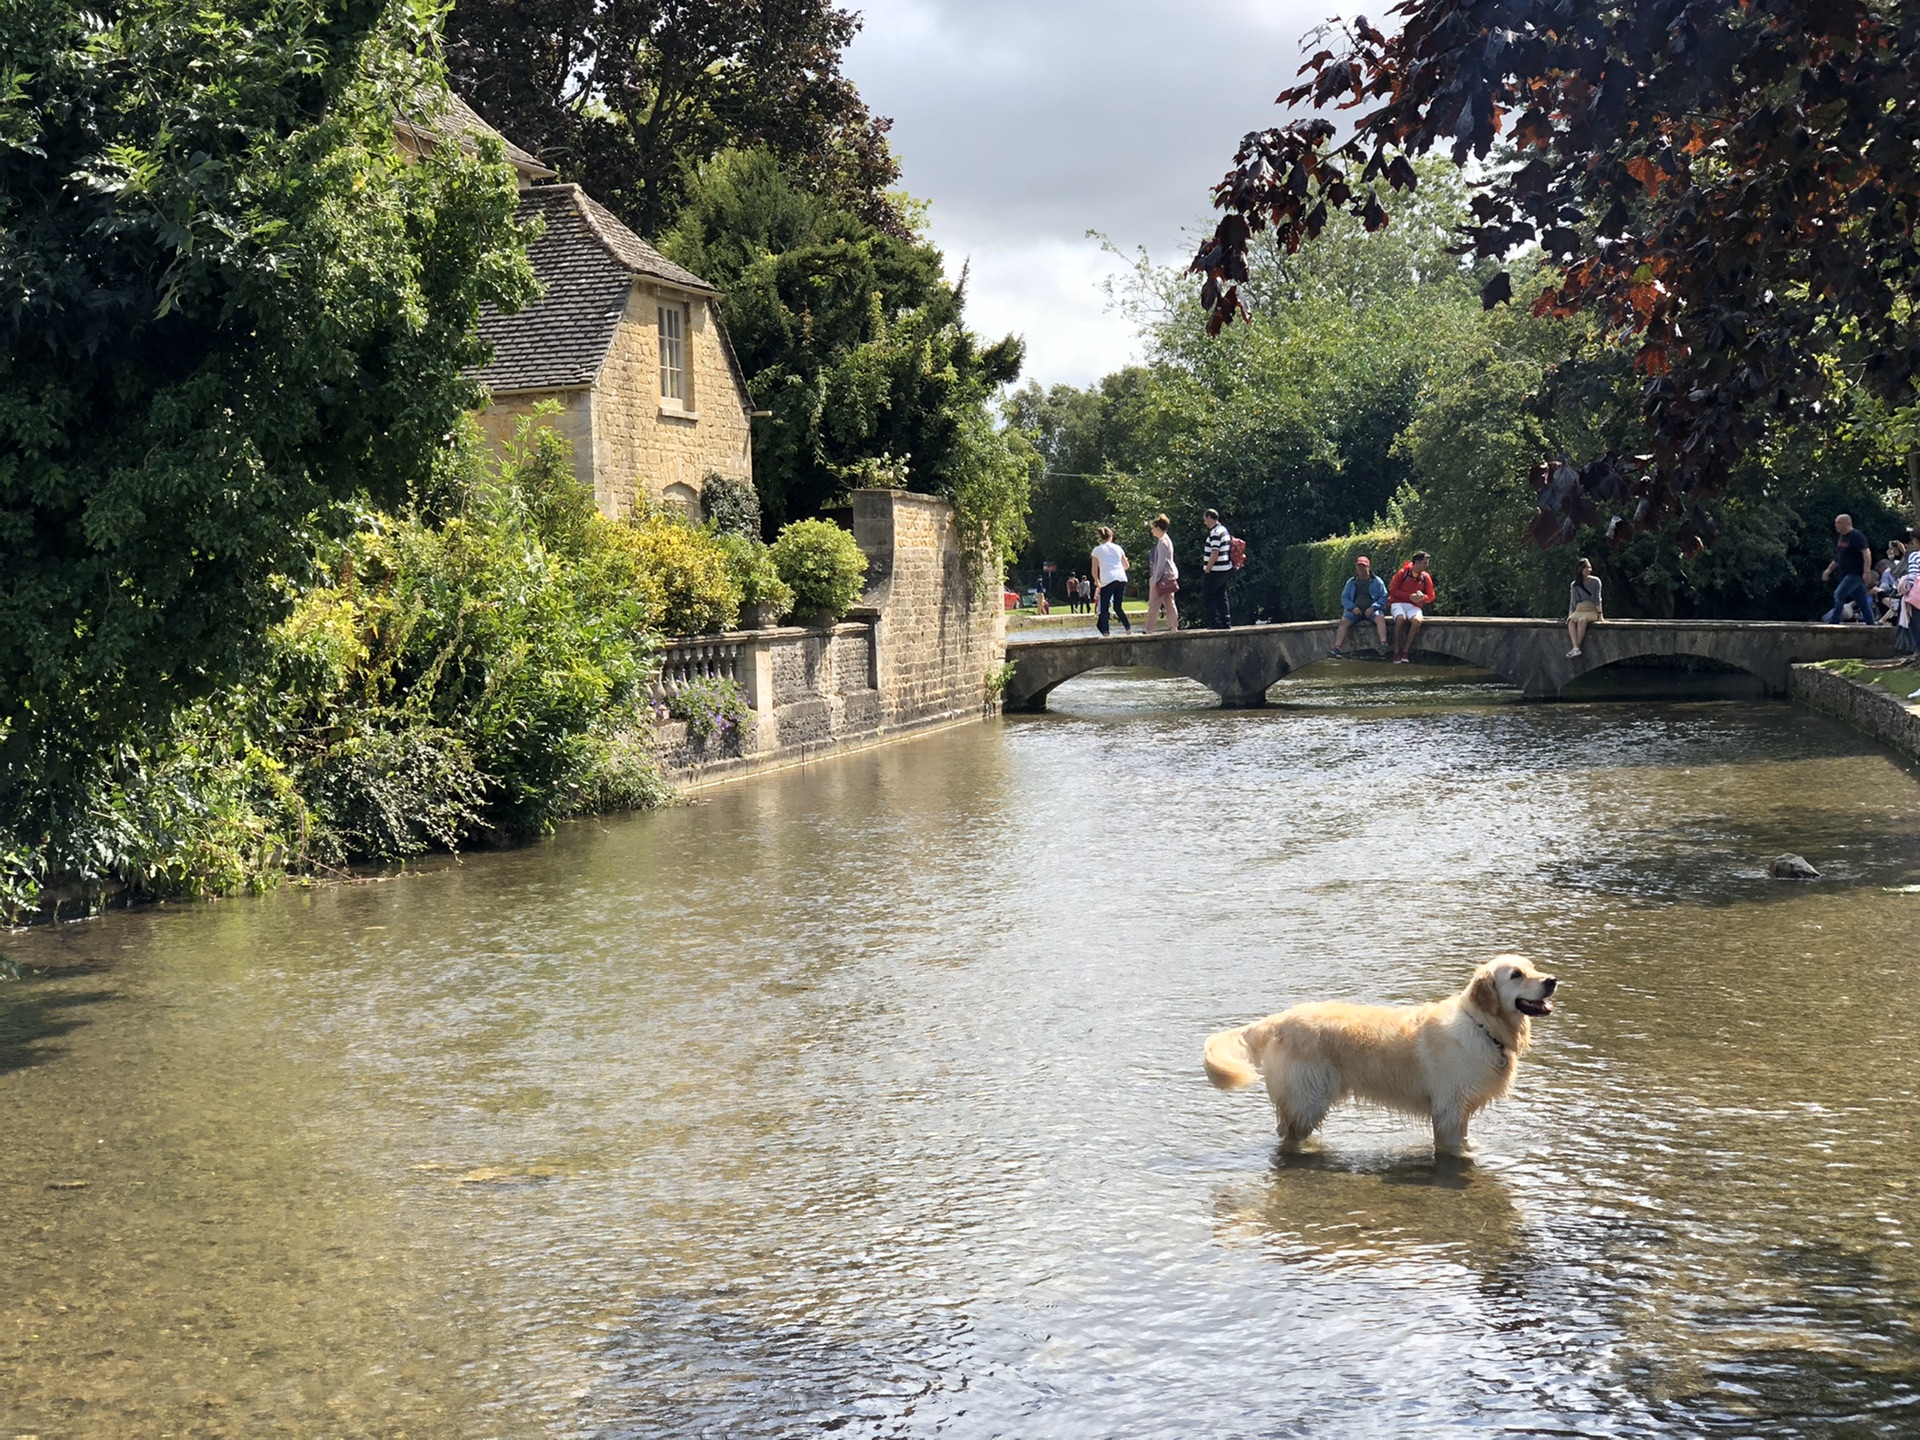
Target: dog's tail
x=1230, y=1060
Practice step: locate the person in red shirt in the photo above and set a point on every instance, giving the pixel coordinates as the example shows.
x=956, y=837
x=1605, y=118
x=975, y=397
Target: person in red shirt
x=1409, y=594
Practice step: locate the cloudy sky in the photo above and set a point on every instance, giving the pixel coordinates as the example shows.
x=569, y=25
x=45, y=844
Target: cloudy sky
x=1028, y=123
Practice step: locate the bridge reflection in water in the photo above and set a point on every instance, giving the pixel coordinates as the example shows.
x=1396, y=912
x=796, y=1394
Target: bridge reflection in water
x=1239, y=665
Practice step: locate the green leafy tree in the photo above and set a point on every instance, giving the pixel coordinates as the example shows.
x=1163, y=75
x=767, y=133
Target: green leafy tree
x=855, y=342
x=228, y=305
x=1086, y=441
x=1729, y=185
x=630, y=96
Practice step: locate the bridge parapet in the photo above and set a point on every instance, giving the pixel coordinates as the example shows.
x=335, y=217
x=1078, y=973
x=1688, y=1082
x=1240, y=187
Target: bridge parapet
x=1239, y=665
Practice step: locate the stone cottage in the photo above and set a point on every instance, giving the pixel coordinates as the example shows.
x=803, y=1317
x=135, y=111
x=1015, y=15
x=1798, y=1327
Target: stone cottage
x=628, y=344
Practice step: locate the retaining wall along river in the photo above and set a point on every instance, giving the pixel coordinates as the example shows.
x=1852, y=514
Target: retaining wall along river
x=913, y=656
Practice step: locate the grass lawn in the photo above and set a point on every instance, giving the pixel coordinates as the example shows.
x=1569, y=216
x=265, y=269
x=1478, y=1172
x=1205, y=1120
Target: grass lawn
x=1897, y=677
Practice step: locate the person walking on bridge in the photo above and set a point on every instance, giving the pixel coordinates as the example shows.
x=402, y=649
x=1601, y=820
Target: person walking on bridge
x=1410, y=593
x=1216, y=568
x=1583, y=604
x=1163, y=577
x=1852, y=562
x=1110, y=574
x=1364, y=600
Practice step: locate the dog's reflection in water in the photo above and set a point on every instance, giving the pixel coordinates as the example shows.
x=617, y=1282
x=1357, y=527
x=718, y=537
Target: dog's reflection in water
x=1332, y=1210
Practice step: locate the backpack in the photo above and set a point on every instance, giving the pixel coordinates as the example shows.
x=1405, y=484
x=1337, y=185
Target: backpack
x=1236, y=551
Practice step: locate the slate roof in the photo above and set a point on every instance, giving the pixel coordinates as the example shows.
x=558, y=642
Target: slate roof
x=587, y=261
x=463, y=124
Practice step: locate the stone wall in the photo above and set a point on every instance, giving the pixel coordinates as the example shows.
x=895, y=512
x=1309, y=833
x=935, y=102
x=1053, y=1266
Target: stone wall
x=1864, y=706
x=502, y=418
x=914, y=657
x=647, y=449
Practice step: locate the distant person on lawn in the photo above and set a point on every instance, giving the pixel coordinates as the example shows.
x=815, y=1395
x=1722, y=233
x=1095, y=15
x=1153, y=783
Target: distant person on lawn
x=1852, y=562
x=1583, y=604
x=1364, y=601
x=1410, y=593
x=1110, y=574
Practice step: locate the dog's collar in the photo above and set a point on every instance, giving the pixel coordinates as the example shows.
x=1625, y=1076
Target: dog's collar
x=1493, y=1038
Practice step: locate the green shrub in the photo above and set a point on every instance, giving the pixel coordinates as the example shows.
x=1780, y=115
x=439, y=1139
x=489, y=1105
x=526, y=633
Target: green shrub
x=750, y=562
x=390, y=792
x=697, y=594
x=822, y=563
x=477, y=668
x=730, y=504
x=1312, y=576
x=713, y=708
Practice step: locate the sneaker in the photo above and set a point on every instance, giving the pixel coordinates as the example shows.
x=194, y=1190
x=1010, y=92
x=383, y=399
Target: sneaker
x=1573, y=653
x=1336, y=653
x=1401, y=660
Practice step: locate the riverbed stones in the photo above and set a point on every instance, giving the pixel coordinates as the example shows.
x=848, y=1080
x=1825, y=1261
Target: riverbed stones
x=1792, y=867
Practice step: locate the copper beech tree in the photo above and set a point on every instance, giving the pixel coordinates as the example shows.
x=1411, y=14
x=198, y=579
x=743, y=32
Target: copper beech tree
x=1730, y=185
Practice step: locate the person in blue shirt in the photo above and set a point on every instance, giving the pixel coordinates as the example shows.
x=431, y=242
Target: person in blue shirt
x=1364, y=599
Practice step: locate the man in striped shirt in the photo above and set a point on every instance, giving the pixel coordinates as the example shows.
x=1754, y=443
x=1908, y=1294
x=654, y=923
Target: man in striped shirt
x=1216, y=568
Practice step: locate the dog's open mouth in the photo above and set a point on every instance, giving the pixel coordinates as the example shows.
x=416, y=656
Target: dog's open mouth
x=1533, y=1007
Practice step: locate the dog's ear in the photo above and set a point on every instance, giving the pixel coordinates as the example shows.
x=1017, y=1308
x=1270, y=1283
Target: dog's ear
x=1483, y=994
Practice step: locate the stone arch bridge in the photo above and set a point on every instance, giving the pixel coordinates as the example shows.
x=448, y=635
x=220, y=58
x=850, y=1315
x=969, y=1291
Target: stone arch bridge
x=1238, y=665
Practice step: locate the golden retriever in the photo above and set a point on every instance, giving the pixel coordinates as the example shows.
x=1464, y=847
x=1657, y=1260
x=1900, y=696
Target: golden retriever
x=1447, y=1060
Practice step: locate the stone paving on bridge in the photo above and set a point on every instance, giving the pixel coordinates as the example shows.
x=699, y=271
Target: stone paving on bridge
x=1239, y=665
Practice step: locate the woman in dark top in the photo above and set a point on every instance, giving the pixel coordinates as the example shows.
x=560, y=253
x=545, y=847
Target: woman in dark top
x=1583, y=605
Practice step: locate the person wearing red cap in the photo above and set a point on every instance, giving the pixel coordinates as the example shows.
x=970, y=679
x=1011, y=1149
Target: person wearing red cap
x=1364, y=599
x=1411, y=592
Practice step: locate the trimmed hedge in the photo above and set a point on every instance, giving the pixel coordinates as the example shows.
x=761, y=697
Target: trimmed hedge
x=1312, y=576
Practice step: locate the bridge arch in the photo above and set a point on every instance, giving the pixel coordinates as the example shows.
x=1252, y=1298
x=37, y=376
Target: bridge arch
x=1516, y=665
x=1768, y=666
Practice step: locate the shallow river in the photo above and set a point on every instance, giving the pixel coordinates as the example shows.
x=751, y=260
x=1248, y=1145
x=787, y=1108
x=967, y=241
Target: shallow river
x=867, y=1101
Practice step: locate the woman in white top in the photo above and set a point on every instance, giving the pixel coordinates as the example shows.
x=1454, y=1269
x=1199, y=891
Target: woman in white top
x=1110, y=575
x=1163, y=577
x=1583, y=604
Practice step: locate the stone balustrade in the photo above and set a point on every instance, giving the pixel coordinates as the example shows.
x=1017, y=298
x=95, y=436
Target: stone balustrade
x=914, y=656
x=703, y=657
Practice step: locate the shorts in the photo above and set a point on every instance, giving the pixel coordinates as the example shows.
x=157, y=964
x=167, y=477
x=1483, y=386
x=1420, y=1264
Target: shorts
x=1404, y=611
x=1361, y=617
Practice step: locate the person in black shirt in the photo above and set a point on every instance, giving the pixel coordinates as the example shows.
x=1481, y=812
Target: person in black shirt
x=1851, y=559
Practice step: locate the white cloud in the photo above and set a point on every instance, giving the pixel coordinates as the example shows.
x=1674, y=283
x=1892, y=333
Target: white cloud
x=1027, y=123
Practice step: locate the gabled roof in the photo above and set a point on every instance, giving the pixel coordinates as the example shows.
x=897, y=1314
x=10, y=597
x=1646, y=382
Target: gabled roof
x=587, y=262
x=461, y=123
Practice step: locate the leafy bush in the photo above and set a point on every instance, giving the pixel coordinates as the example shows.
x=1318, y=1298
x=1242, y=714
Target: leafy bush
x=751, y=564
x=689, y=572
x=823, y=564
x=713, y=708
x=390, y=793
x=1312, y=576
x=231, y=305
x=477, y=674
x=730, y=504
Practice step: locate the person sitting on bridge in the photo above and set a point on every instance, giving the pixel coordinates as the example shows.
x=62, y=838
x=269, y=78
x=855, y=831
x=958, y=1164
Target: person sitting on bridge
x=1364, y=599
x=1853, y=561
x=1410, y=592
x=1583, y=604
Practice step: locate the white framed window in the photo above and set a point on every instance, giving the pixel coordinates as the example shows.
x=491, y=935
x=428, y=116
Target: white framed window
x=673, y=353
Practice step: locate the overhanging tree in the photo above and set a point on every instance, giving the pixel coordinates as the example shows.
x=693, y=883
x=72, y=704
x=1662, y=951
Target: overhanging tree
x=230, y=308
x=855, y=343
x=1729, y=186
x=629, y=96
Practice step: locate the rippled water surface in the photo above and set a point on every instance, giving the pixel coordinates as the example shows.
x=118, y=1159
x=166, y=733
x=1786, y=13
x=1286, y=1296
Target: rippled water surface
x=867, y=1100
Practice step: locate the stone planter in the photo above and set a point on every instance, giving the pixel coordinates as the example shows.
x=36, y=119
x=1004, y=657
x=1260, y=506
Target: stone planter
x=758, y=617
x=823, y=619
